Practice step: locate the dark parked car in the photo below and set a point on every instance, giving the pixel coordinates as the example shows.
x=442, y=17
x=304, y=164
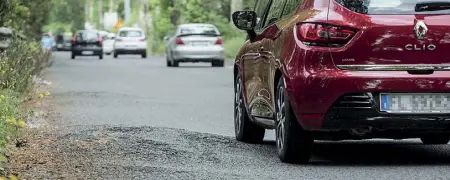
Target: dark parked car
x=63, y=42
x=87, y=43
x=343, y=70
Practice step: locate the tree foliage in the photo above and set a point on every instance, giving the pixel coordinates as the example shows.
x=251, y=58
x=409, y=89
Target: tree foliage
x=26, y=16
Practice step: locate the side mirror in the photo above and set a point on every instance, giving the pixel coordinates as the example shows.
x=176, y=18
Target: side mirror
x=247, y=21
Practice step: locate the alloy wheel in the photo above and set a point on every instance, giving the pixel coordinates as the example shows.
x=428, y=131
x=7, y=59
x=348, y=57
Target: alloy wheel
x=281, y=118
x=238, y=106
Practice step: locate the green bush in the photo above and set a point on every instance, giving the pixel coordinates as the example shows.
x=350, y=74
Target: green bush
x=233, y=45
x=18, y=63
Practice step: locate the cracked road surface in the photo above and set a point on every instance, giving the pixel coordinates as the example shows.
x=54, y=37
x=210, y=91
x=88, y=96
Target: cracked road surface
x=133, y=118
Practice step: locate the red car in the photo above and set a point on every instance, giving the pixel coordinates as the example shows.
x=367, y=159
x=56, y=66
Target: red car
x=343, y=70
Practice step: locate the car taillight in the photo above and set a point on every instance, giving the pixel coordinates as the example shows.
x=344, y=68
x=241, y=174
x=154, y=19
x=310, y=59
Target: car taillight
x=74, y=39
x=178, y=41
x=316, y=34
x=100, y=41
x=219, y=41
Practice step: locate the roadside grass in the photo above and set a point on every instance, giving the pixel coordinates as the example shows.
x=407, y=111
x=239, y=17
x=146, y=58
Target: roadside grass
x=18, y=64
x=233, y=45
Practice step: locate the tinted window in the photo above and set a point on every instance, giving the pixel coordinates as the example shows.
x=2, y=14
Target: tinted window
x=261, y=9
x=86, y=36
x=290, y=6
x=131, y=33
x=200, y=29
x=386, y=6
x=275, y=11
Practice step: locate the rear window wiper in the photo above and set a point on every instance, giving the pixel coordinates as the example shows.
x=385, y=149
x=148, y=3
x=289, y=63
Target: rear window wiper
x=432, y=6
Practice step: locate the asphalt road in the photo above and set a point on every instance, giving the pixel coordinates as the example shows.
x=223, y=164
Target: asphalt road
x=143, y=120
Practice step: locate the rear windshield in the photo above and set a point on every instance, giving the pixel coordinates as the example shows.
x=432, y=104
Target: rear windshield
x=200, y=29
x=130, y=33
x=86, y=36
x=387, y=6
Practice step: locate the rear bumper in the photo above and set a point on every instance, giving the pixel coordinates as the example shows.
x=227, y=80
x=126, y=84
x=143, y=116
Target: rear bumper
x=317, y=99
x=130, y=51
x=79, y=51
x=208, y=54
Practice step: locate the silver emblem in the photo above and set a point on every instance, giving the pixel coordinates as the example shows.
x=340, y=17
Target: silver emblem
x=421, y=29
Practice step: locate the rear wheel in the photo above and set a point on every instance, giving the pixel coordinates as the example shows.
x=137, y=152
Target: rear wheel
x=169, y=64
x=175, y=63
x=115, y=55
x=294, y=145
x=73, y=56
x=100, y=56
x=144, y=55
x=435, y=139
x=245, y=130
x=217, y=63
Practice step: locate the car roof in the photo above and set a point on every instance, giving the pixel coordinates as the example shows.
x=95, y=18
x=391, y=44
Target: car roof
x=195, y=24
x=130, y=28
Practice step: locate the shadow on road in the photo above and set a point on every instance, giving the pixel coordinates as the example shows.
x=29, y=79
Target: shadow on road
x=371, y=153
x=377, y=153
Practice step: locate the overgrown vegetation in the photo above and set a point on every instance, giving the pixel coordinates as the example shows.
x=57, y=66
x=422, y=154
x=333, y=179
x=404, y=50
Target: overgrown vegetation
x=19, y=63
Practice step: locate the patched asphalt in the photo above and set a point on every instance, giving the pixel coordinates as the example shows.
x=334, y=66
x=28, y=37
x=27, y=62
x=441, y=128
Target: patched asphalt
x=133, y=118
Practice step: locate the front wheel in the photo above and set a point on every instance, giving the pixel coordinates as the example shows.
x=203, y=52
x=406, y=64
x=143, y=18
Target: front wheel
x=294, y=145
x=245, y=130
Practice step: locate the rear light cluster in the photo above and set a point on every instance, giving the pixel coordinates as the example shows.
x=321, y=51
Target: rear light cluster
x=100, y=41
x=178, y=41
x=325, y=35
x=74, y=39
x=219, y=41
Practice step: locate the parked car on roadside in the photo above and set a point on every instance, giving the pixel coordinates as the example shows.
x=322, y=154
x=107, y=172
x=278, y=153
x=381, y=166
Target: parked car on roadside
x=195, y=43
x=63, y=42
x=341, y=70
x=87, y=43
x=130, y=40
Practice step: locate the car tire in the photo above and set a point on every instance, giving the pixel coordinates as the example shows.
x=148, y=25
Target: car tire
x=218, y=63
x=100, y=56
x=175, y=63
x=436, y=140
x=245, y=130
x=294, y=144
x=169, y=64
x=115, y=55
x=144, y=55
x=108, y=54
x=73, y=56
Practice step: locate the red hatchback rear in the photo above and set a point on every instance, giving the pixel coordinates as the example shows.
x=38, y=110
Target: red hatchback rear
x=343, y=69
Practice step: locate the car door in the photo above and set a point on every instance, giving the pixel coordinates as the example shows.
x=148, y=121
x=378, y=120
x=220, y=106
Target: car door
x=258, y=62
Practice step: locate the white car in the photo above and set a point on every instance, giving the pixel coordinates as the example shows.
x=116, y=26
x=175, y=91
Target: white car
x=130, y=40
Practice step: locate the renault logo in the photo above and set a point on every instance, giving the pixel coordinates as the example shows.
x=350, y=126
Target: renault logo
x=421, y=29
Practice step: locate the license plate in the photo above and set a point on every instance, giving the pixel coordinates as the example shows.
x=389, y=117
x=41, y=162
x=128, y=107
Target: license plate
x=60, y=45
x=68, y=44
x=87, y=52
x=199, y=44
x=415, y=103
